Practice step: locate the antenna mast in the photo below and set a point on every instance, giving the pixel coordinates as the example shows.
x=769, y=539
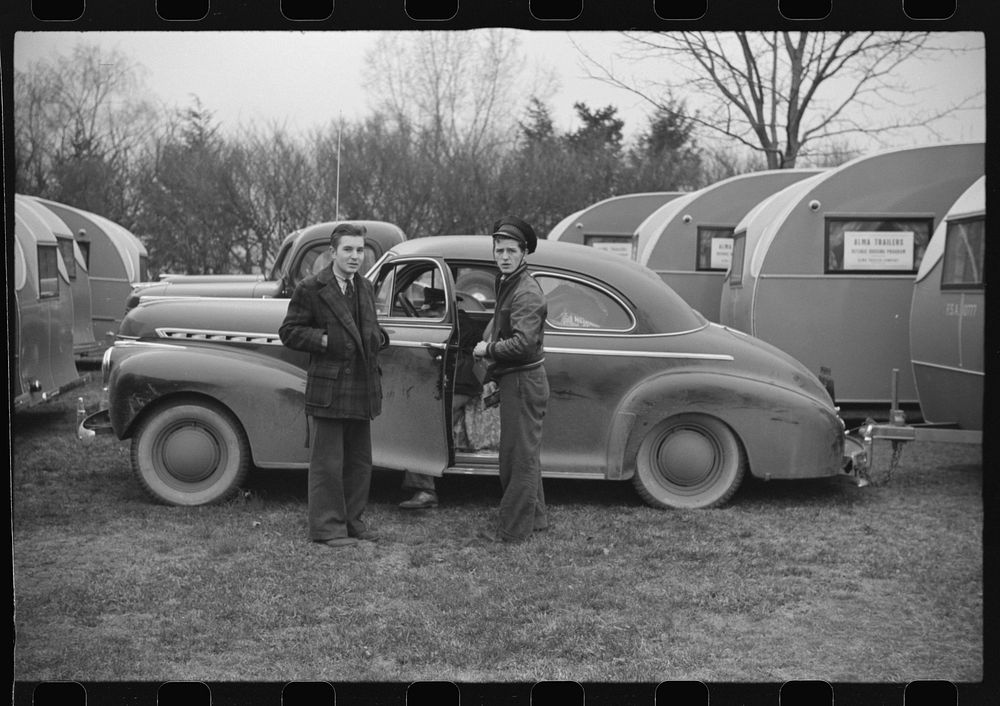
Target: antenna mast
x=340, y=129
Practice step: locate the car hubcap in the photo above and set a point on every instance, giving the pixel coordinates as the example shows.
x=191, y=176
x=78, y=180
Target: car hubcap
x=190, y=453
x=687, y=456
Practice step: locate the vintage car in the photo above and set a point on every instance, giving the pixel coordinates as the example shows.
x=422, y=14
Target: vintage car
x=301, y=254
x=642, y=386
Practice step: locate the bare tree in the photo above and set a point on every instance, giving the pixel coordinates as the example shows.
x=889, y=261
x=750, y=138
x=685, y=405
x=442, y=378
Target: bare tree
x=275, y=191
x=80, y=122
x=453, y=97
x=785, y=94
x=461, y=87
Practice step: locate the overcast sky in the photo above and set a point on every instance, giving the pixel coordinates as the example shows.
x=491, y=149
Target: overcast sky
x=306, y=79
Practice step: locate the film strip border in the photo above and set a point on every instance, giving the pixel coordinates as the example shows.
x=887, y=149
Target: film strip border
x=545, y=693
x=453, y=14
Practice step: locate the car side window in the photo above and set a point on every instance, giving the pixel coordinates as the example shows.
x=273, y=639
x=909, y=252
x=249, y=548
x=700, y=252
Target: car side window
x=574, y=304
x=411, y=290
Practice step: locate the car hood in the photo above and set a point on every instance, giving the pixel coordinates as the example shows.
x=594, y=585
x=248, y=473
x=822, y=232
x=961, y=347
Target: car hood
x=202, y=316
x=205, y=286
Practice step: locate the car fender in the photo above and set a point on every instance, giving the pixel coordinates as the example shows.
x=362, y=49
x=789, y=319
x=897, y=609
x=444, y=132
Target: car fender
x=785, y=433
x=265, y=393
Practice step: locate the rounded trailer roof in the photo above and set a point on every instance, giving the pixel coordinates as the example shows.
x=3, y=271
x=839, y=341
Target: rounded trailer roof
x=38, y=227
x=904, y=180
x=658, y=307
x=52, y=221
x=971, y=203
x=563, y=225
x=762, y=223
x=617, y=215
x=737, y=193
x=128, y=247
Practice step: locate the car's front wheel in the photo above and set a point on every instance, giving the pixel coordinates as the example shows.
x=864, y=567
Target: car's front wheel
x=190, y=453
x=689, y=461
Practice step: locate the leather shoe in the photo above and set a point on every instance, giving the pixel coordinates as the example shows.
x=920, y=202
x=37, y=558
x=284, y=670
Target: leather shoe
x=368, y=536
x=421, y=500
x=337, y=542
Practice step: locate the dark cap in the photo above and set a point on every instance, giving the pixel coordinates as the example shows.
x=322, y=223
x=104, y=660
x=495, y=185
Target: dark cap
x=516, y=229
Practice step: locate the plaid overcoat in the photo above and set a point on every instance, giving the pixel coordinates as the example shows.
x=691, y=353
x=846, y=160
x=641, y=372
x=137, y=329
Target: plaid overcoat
x=344, y=379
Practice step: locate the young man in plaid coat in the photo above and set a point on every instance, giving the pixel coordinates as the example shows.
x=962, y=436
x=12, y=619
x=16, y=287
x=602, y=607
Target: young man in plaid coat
x=332, y=316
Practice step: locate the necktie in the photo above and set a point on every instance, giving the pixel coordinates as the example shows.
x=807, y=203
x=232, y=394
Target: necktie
x=352, y=302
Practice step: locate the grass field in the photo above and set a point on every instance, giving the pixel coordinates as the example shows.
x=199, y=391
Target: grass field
x=792, y=580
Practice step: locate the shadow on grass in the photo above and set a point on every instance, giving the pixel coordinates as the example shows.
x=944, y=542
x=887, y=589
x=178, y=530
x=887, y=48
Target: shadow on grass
x=476, y=492
x=453, y=490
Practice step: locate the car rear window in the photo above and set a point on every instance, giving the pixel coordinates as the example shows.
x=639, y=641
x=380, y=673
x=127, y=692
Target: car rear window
x=574, y=304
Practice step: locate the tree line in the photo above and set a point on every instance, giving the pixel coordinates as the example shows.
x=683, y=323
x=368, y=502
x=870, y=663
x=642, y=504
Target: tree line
x=451, y=144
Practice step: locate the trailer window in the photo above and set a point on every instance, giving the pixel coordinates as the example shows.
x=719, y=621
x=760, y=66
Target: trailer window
x=715, y=248
x=739, y=252
x=876, y=246
x=68, y=257
x=48, y=271
x=617, y=244
x=964, y=254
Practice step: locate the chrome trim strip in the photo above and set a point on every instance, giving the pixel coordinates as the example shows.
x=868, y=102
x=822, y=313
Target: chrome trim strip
x=640, y=354
x=619, y=334
x=952, y=368
x=486, y=467
x=417, y=344
x=719, y=273
x=268, y=339
x=880, y=275
x=414, y=322
x=135, y=343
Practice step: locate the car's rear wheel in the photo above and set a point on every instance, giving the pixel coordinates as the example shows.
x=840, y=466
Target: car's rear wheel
x=689, y=461
x=190, y=453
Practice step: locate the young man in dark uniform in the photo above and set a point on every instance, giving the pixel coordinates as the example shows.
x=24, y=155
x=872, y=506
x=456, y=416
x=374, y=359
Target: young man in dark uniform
x=515, y=353
x=331, y=315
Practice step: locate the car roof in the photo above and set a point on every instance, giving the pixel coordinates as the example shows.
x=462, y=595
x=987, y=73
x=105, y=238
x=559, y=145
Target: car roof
x=658, y=307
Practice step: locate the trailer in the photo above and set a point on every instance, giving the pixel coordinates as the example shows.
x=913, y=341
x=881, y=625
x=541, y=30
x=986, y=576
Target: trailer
x=948, y=315
x=610, y=225
x=825, y=269
x=559, y=228
x=115, y=260
x=84, y=344
x=42, y=336
x=688, y=241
